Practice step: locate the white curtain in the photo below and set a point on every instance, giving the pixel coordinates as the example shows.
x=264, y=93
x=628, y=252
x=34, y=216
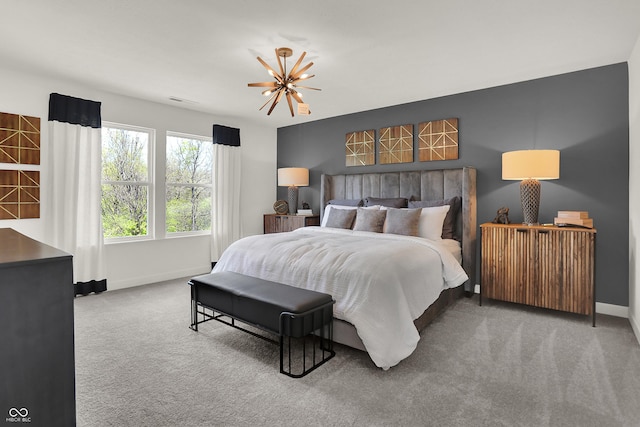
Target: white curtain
x=72, y=187
x=225, y=205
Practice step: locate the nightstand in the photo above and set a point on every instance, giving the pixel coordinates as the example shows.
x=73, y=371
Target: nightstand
x=543, y=266
x=276, y=223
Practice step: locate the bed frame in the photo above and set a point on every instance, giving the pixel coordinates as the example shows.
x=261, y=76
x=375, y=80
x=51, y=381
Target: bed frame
x=413, y=185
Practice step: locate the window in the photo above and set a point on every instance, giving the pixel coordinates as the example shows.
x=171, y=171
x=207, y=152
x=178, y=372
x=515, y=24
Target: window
x=127, y=196
x=188, y=174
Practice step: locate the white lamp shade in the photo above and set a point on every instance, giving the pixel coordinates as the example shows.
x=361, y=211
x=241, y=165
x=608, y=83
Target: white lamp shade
x=531, y=164
x=293, y=177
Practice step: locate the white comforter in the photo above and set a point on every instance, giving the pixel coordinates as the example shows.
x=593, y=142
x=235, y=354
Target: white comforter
x=380, y=282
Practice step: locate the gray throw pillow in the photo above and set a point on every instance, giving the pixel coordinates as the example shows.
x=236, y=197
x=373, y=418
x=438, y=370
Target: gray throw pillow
x=403, y=221
x=346, y=202
x=449, y=226
x=390, y=202
x=341, y=218
x=370, y=220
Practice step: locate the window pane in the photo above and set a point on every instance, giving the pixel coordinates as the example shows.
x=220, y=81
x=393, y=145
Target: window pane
x=124, y=210
x=124, y=155
x=188, y=177
x=189, y=161
x=188, y=208
x=126, y=190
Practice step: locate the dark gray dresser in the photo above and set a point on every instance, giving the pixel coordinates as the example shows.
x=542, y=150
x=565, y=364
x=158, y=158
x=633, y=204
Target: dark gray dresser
x=37, y=371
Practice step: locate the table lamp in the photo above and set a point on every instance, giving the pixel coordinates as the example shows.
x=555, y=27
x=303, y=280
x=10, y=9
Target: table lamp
x=293, y=178
x=530, y=166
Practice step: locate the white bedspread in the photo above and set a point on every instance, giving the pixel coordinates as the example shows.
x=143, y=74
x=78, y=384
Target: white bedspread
x=380, y=282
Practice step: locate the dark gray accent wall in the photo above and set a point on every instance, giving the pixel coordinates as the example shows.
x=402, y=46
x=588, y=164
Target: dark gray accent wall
x=584, y=114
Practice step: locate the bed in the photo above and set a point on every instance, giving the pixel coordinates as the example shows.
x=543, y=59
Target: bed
x=370, y=314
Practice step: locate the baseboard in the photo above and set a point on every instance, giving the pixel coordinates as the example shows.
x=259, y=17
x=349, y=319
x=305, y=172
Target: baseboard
x=612, y=310
x=602, y=308
x=634, y=325
x=154, y=278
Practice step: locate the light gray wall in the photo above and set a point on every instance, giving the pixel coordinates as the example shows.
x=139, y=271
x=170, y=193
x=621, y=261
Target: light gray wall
x=164, y=258
x=583, y=114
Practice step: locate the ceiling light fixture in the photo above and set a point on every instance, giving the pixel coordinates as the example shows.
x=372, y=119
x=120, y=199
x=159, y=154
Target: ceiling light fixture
x=285, y=84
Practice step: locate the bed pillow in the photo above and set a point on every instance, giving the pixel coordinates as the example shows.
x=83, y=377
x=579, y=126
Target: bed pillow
x=341, y=218
x=402, y=221
x=346, y=202
x=431, y=221
x=392, y=202
x=370, y=220
x=450, y=220
x=329, y=208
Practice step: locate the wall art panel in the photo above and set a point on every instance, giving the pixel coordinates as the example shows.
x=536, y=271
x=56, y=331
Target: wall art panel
x=360, y=148
x=438, y=140
x=19, y=194
x=19, y=139
x=396, y=144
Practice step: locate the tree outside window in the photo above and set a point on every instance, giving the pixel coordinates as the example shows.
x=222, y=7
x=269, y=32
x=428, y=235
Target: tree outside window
x=188, y=182
x=125, y=181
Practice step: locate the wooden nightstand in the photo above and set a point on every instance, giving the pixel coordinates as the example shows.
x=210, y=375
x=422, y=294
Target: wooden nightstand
x=275, y=223
x=543, y=266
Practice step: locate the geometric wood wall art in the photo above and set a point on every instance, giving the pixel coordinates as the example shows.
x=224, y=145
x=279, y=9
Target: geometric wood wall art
x=360, y=148
x=438, y=140
x=19, y=139
x=19, y=194
x=396, y=144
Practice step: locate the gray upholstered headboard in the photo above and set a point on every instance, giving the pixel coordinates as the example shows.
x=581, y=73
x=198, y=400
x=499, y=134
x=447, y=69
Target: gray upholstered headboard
x=416, y=185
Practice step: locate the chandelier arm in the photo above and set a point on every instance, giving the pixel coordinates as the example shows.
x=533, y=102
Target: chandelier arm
x=297, y=97
x=275, y=102
x=273, y=95
x=297, y=64
x=290, y=104
x=307, y=87
x=303, y=78
x=277, y=76
x=301, y=71
x=263, y=84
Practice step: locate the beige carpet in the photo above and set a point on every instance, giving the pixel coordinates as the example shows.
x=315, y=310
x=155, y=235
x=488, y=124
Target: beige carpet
x=139, y=364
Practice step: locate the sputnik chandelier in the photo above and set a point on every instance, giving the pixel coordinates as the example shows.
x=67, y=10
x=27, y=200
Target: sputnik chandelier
x=285, y=84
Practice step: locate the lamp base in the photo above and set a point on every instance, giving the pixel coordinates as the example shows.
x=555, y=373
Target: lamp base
x=530, y=199
x=292, y=199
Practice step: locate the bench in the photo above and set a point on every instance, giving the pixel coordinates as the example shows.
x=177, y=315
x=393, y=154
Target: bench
x=287, y=311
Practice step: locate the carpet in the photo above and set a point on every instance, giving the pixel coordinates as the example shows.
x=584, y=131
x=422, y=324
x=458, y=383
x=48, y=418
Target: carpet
x=139, y=364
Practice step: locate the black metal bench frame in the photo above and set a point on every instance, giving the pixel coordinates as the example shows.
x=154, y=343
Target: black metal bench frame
x=321, y=336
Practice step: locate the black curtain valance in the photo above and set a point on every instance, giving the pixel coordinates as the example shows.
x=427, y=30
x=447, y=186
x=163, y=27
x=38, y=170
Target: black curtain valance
x=225, y=135
x=76, y=111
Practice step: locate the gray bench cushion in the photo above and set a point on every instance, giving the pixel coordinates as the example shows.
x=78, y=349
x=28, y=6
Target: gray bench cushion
x=260, y=302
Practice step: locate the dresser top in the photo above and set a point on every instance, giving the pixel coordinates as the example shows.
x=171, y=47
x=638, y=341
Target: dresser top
x=17, y=248
x=520, y=226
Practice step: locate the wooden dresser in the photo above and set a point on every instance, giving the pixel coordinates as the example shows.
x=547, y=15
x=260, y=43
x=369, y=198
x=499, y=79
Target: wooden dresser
x=275, y=223
x=543, y=266
x=36, y=333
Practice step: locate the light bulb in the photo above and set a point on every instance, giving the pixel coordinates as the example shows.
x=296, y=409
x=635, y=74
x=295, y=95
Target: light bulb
x=267, y=92
x=304, y=76
x=271, y=73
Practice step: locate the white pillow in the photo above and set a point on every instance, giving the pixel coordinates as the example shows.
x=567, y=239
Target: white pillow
x=328, y=208
x=431, y=221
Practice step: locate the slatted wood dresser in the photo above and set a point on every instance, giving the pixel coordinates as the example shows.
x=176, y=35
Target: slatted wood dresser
x=543, y=266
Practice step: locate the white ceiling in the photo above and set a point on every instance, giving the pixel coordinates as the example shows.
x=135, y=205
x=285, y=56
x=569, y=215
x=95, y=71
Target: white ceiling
x=366, y=54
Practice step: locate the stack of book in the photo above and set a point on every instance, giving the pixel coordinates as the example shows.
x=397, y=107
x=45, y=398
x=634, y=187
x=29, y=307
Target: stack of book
x=579, y=218
x=305, y=212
